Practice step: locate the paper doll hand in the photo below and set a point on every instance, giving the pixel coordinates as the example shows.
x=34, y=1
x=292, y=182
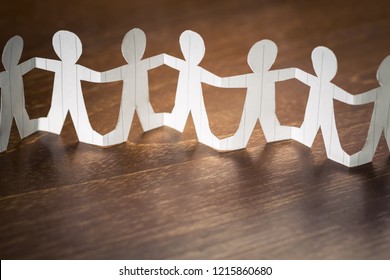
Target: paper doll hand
x=210, y=78
x=154, y=61
x=113, y=75
x=172, y=61
x=47, y=64
x=282, y=74
x=240, y=81
x=304, y=77
x=343, y=96
x=40, y=63
x=366, y=97
x=359, y=99
x=27, y=66
x=86, y=74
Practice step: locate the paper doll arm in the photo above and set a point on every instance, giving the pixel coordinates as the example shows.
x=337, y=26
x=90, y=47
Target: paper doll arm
x=210, y=78
x=173, y=62
x=154, y=61
x=282, y=74
x=304, y=77
x=113, y=75
x=86, y=74
x=240, y=81
x=47, y=64
x=366, y=97
x=359, y=99
x=27, y=66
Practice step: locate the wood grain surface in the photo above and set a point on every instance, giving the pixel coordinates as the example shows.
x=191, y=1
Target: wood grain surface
x=162, y=195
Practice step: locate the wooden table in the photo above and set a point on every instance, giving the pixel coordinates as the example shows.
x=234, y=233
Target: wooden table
x=163, y=195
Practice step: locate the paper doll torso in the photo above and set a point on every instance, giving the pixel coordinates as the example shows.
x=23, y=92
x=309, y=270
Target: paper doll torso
x=321, y=98
x=135, y=83
x=12, y=89
x=5, y=89
x=67, y=84
x=261, y=91
x=189, y=84
x=382, y=106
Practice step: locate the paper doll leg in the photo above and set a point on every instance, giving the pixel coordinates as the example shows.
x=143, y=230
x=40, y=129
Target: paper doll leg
x=5, y=128
x=247, y=123
x=148, y=118
x=367, y=153
x=84, y=130
x=387, y=135
x=240, y=139
x=272, y=129
x=387, y=130
x=202, y=128
x=30, y=127
x=122, y=129
x=25, y=125
x=23, y=122
x=309, y=128
x=305, y=134
x=177, y=119
x=55, y=118
x=270, y=124
x=52, y=123
x=334, y=151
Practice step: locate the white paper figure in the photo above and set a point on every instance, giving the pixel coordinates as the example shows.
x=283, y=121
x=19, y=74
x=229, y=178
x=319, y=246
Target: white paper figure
x=67, y=92
x=320, y=109
x=259, y=103
x=380, y=120
x=12, y=93
x=135, y=93
x=189, y=97
x=260, y=98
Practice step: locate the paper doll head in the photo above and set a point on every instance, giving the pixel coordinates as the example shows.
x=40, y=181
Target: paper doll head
x=133, y=45
x=67, y=46
x=192, y=47
x=383, y=73
x=12, y=52
x=262, y=55
x=324, y=63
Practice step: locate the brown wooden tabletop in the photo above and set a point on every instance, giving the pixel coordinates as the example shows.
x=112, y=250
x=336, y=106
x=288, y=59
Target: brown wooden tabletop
x=163, y=195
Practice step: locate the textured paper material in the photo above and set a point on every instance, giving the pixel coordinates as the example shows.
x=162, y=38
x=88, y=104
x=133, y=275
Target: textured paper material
x=320, y=109
x=67, y=92
x=135, y=93
x=189, y=97
x=260, y=97
x=380, y=119
x=259, y=103
x=12, y=93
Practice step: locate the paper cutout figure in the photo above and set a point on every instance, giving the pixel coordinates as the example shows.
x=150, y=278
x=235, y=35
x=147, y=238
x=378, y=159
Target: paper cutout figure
x=380, y=120
x=259, y=103
x=12, y=93
x=67, y=92
x=320, y=109
x=260, y=98
x=135, y=93
x=189, y=97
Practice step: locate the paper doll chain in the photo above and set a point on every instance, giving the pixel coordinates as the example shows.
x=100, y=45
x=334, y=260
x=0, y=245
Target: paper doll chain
x=259, y=103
